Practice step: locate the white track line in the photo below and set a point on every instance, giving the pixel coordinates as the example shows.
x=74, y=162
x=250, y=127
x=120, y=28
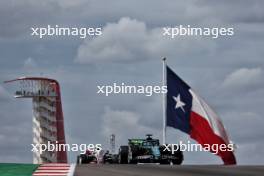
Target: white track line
x=72, y=169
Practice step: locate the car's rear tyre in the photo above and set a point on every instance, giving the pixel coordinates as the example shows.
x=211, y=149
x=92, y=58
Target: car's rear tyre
x=123, y=155
x=177, y=162
x=79, y=160
x=179, y=159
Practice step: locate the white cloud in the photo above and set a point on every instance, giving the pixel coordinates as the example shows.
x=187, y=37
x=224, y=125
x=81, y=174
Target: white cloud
x=124, y=124
x=3, y=94
x=130, y=40
x=30, y=63
x=119, y=41
x=26, y=14
x=243, y=78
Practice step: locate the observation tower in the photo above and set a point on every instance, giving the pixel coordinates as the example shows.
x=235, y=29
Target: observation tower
x=48, y=123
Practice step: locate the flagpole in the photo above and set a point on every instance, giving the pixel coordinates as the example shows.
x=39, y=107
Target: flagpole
x=164, y=82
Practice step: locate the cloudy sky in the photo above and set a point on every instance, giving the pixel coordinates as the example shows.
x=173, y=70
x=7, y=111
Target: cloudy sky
x=227, y=72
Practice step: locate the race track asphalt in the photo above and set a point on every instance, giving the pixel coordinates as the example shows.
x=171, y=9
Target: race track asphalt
x=166, y=170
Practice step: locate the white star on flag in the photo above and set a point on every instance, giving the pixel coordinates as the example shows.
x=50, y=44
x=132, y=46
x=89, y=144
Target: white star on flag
x=179, y=103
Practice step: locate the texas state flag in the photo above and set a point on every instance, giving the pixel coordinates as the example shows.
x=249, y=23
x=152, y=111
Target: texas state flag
x=189, y=113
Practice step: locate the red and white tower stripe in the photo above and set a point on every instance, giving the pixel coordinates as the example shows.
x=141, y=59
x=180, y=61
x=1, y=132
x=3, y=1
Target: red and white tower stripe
x=48, y=123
